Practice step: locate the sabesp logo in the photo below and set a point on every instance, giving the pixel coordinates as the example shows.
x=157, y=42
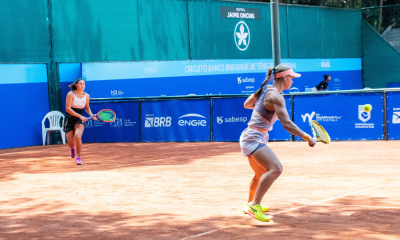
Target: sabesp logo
x=244, y=80
x=157, y=122
x=220, y=120
x=309, y=116
x=363, y=115
x=189, y=121
x=242, y=35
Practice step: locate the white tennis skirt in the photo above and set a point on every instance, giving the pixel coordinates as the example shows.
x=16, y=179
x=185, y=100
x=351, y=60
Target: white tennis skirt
x=250, y=139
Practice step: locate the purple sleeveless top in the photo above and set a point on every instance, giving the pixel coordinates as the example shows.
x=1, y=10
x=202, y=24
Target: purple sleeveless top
x=262, y=119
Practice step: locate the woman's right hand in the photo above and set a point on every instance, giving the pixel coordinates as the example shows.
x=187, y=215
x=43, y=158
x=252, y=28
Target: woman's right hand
x=83, y=118
x=312, y=142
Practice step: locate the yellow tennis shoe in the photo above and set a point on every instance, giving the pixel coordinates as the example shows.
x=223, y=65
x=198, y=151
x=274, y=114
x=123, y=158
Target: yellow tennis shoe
x=257, y=213
x=264, y=208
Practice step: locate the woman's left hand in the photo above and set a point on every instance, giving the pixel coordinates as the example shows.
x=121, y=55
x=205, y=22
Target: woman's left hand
x=94, y=117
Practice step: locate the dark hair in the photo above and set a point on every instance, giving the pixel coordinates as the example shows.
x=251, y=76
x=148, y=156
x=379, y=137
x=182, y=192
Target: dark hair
x=326, y=76
x=277, y=69
x=72, y=86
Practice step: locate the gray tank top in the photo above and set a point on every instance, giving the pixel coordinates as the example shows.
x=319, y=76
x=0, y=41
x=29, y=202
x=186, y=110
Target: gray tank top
x=262, y=119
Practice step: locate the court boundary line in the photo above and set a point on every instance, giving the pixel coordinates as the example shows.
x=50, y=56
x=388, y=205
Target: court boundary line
x=346, y=205
x=147, y=161
x=291, y=209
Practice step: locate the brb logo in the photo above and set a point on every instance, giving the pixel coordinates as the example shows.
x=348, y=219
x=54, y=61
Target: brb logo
x=192, y=119
x=363, y=115
x=157, y=122
x=242, y=35
x=244, y=80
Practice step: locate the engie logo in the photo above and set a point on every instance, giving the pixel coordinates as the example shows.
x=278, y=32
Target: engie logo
x=189, y=121
x=220, y=120
x=250, y=80
x=157, y=122
x=363, y=115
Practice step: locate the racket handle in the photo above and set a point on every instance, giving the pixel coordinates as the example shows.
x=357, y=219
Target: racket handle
x=91, y=117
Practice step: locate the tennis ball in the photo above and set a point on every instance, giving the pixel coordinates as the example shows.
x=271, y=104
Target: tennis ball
x=367, y=107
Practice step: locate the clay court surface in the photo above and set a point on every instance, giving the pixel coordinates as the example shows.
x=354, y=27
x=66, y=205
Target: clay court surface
x=344, y=190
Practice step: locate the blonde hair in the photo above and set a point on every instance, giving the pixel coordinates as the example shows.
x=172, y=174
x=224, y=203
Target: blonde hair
x=277, y=69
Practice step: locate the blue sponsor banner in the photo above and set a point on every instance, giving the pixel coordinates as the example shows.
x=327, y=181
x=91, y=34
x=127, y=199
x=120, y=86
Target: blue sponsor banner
x=204, y=77
x=24, y=97
x=342, y=115
x=230, y=118
x=157, y=69
x=124, y=129
x=179, y=121
x=393, y=115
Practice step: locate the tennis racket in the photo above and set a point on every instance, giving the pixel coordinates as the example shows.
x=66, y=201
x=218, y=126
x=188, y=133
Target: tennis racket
x=105, y=115
x=319, y=132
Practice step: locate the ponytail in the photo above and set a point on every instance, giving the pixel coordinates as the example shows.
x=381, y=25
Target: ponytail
x=72, y=86
x=271, y=70
x=266, y=80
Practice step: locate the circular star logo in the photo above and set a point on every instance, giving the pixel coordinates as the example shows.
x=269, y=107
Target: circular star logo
x=242, y=35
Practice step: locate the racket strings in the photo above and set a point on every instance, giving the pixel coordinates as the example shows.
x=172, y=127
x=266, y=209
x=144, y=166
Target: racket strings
x=106, y=115
x=321, y=133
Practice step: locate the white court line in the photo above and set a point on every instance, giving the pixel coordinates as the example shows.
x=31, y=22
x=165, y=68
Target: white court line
x=303, y=157
x=329, y=199
x=147, y=161
x=345, y=205
x=295, y=164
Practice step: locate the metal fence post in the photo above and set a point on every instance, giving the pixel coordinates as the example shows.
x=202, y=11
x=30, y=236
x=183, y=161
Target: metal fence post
x=385, y=127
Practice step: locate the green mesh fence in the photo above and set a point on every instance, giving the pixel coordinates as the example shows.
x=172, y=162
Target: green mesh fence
x=163, y=30
x=24, y=33
x=56, y=31
x=95, y=30
x=324, y=33
x=213, y=37
x=381, y=61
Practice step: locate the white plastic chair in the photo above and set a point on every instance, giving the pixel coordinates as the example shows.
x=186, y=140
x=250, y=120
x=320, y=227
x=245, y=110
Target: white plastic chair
x=54, y=119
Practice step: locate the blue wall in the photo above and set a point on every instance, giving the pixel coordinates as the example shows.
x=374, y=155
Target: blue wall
x=25, y=100
x=393, y=115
